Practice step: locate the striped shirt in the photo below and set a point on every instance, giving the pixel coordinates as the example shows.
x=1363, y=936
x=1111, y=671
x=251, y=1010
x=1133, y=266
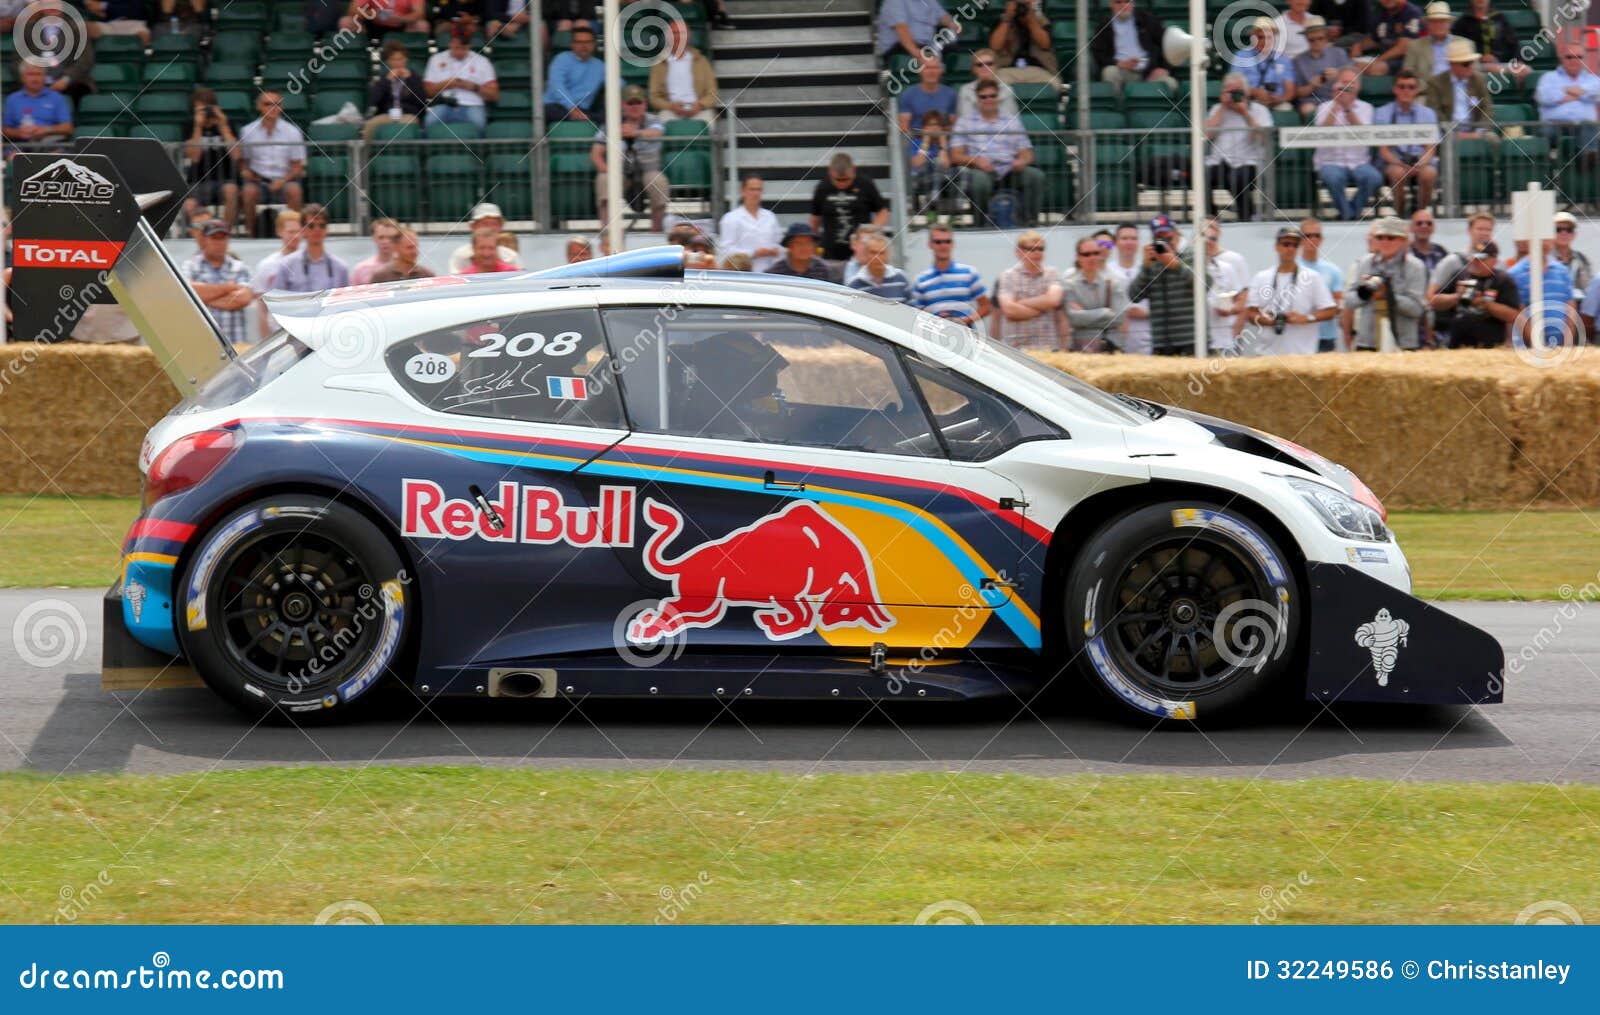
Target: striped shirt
x=953, y=292
x=895, y=286
x=198, y=269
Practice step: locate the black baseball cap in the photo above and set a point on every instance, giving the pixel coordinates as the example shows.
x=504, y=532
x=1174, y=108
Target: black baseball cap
x=1485, y=251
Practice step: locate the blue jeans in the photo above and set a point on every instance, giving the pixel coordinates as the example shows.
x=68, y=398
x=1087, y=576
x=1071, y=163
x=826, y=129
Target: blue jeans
x=475, y=115
x=1336, y=178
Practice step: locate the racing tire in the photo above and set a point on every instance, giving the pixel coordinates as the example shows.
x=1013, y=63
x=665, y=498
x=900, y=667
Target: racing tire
x=1183, y=610
x=295, y=607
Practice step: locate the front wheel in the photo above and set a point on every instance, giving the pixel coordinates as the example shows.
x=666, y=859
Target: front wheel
x=1183, y=609
x=295, y=606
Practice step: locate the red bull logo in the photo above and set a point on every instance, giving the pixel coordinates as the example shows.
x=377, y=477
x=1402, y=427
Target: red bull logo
x=531, y=514
x=800, y=569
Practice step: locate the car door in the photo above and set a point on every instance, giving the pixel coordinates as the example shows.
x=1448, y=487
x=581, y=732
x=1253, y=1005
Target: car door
x=793, y=489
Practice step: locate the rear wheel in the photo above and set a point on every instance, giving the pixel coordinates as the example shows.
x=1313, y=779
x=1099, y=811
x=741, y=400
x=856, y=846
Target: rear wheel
x=295, y=606
x=1183, y=609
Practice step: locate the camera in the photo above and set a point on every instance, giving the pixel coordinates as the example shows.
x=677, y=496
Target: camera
x=1237, y=95
x=1370, y=284
x=1279, y=322
x=1160, y=247
x=1473, y=295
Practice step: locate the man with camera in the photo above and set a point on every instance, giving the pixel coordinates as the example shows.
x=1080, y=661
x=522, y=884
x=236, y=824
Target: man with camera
x=1388, y=289
x=1317, y=68
x=1166, y=279
x=1405, y=164
x=1480, y=230
x=213, y=154
x=1021, y=43
x=1482, y=300
x=1236, y=132
x=1286, y=304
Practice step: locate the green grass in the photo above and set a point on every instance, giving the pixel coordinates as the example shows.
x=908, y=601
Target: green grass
x=1454, y=555
x=501, y=845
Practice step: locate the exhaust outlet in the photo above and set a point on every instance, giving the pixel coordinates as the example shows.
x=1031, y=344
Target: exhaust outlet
x=510, y=683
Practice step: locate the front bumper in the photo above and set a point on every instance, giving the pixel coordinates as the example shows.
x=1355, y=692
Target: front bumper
x=1372, y=642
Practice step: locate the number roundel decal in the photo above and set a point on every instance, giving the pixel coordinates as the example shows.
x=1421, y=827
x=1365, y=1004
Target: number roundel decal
x=430, y=368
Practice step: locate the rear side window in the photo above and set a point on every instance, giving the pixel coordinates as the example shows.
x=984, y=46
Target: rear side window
x=544, y=367
x=249, y=373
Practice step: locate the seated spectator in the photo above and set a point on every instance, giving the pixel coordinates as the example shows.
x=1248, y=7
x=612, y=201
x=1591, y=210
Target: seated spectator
x=1290, y=27
x=800, y=255
x=1405, y=164
x=1236, y=132
x=266, y=273
x=1349, y=22
x=484, y=216
x=1395, y=24
x=402, y=263
x=454, y=12
x=377, y=18
x=1095, y=300
x=573, y=90
x=912, y=26
x=933, y=178
x=272, y=158
x=751, y=229
x=1340, y=166
x=993, y=150
x=509, y=240
x=877, y=276
x=858, y=240
x=930, y=94
x=36, y=115
x=682, y=85
x=1577, y=261
x=117, y=17
x=1126, y=46
x=1494, y=37
x=1430, y=54
x=841, y=201
x=1317, y=68
x=1022, y=44
x=641, y=160
x=1482, y=301
x=213, y=156
x=67, y=60
x=486, y=254
x=221, y=281
x=384, y=233
x=984, y=69
x=183, y=17
x=579, y=250
x=1567, y=96
x=312, y=268
x=1560, y=319
x=1461, y=94
x=1401, y=292
x=397, y=96
x=1287, y=303
x=507, y=18
x=948, y=288
x=1267, y=75
x=460, y=83
x=1029, y=295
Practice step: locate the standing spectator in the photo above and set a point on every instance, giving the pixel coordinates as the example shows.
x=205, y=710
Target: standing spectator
x=856, y=258
x=1291, y=26
x=949, y=288
x=1340, y=166
x=1567, y=95
x=698, y=250
x=213, y=156
x=272, y=160
x=682, y=85
x=983, y=70
x=1430, y=54
x=877, y=276
x=384, y=233
x=992, y=150
x=1287, y=303
x=1576, y=261
x=751, y=229
x=575, y=86
x=1396, y=24
x=933, y=178
x=1029, y=295
x=641, y=160
x=1237, y=130
x=312, y=268
x=1021, y=42
x=486, y=254
x=930, y=95
x=221, y=281
x=117, y=17
x=1266, y=73
x=460, y=83
x=379, y=17
x=1123, y=262
x=266, y=274
x=1390, y=286
x=1311, y=257
x=402, y=263
x=1126, y=46
x=912, y=26
x=1492, y=34
x=1483, y=301
x=67, y=60
x=1405, y=164
x=397, y=96
x=1461, y=94
x=1560, y=319
x=1227, y=277
x=485, y=216
x=1450, y=268
x=1166, y=279
x=841, y=202
x=1422, y=246
x=1095, y=301
x=34, y=114
x=800, y=258
x=1316, y=70
x=579, y=250
x=1349, y=21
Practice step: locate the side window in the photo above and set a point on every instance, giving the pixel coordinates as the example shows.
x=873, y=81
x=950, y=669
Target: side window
x=976, y=424
x=545, y=367
x=760, y=375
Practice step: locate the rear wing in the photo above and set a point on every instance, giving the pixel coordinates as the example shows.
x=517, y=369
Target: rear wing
x=82, y=235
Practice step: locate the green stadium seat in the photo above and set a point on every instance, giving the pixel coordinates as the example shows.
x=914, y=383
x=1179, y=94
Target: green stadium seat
x=328, y=182
x=344, y=77
x=1035, y=96
x=387, y=132
x=510, y=183
x=571, y=186
x=455, y=184
x=236, y=48
x=332, y=132
x=288, y=17
x=279, y=74
x=94, y=110
x=174, y=49
x=1515, y=112
x=118, y=49
x=1525, y=160
x=237, y=106
x=164, y=107
x=415, y=42
x=293, y=45
x=512, y=106
x=99, y=130
x=234, y=76
x=1115, y=165
x=393, y=184
x=1377, y=89
x=296, y=107
x=1103, y=119
x=111, y=76
x=246, y=15
x=327, y=103
x=169, y=77
x=168, y=132
x=509, y=130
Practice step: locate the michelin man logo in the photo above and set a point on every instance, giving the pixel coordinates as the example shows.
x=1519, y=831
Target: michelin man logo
x=135, y=596
x=1384, y=636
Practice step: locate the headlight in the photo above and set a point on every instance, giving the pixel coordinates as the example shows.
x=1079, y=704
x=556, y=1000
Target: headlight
x=1343, y=515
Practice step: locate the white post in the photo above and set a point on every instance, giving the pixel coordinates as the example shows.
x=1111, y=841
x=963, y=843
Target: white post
x=1533, y=213
x=4, y=294
x=1197, y=164
x=613, y=86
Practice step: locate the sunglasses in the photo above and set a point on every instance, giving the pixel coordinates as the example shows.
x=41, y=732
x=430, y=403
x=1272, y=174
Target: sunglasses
x=1288, y=243
x=1090, y=253
x=1032, y=249
x=315, y=225
x=1419, y=223
x=1404, y=86
x=1566, y=229
x=1312, y=236
x=940, y=243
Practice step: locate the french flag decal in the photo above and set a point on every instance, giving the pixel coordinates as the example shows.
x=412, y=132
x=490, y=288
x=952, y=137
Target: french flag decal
x=568, y=387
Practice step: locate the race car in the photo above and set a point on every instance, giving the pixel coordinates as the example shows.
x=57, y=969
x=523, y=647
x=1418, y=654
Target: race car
x=621, y=479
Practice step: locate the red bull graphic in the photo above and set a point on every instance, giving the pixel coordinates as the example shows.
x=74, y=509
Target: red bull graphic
x=799, y=568
x=533, y=514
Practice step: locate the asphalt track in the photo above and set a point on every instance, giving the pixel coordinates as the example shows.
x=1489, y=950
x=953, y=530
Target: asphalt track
x=55, y=718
